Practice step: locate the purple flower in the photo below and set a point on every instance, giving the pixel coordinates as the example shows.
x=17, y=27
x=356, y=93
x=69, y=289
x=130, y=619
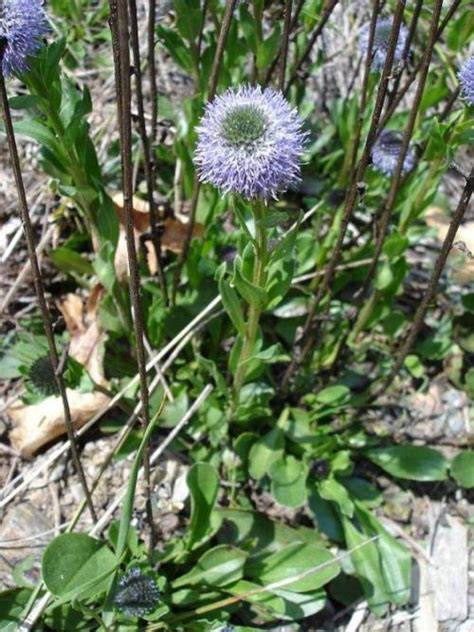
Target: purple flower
x=383, y=29
x=466, y=77
x=386, y=151
x=23, y=24
x=250, y=142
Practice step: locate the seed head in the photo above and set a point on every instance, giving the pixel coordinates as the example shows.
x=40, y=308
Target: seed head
x=23, y=24
x=383, y=29
x=385, y=153
x=41, y=375
x=250, y=143
x=466, y=78
x=137, y=594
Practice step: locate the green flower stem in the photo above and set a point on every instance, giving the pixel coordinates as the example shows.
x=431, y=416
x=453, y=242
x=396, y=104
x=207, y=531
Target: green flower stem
x=253, y=315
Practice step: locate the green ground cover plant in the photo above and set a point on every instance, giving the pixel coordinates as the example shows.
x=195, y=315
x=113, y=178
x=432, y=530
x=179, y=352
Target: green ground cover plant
x=292, y=312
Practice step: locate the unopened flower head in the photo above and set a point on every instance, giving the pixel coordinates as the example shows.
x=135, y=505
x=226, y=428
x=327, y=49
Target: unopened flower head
x=383, y=29
x=136, y=594
x=250, y=142
x=466, y=77
x=386, y=151
x=23, y=24
x=42, y=376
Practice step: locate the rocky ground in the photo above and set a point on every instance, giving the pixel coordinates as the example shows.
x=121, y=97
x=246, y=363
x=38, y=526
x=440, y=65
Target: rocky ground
x=432, y=520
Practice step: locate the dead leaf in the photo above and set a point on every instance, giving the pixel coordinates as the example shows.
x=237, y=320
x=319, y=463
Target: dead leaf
x=38, y=424
x=172, y=234
x=463, y=268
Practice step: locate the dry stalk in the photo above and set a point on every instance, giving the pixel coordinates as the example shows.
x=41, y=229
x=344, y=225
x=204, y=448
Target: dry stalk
x=119, y=24
x=38, y=282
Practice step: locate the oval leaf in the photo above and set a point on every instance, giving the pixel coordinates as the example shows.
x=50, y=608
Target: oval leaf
x=462, y=468
x=75, y=564
x=412, y=462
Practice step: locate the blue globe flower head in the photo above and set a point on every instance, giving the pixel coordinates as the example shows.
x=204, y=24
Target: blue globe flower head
x=383, y=29
x=250, y=143
x=466, y=78
x=386, y=151
x=23, y=25
x=136, y=594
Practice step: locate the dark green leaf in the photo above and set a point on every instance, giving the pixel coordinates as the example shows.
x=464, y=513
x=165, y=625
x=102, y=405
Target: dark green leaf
x=462, y=468
x=203, y=483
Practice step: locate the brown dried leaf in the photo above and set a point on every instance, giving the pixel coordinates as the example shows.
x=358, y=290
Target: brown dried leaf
x=172, y=237
x=38, y=424
x=463, y=270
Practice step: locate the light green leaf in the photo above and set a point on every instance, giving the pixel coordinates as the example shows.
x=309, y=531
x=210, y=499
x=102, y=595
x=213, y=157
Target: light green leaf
x=417, y=463
x=232, y=306
x=217, y=567
x=295, y=560
x=462, y=468
x=77, y=565
x=289, y=481
x=264, y=452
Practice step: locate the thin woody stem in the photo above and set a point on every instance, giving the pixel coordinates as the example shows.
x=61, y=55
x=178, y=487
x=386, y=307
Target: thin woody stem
x=326, y=14
x=39, y=286
x=411, y=78
x=148, y=160
x=397, y=176
x=213, y=81
x=353, y=193
x=434, y=280
x=284, y=44
x=119, y=25
x=152, y=68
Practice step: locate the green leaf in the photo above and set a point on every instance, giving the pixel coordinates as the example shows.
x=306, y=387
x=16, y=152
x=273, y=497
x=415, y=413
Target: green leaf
x=264, y=452
x=395, y=560
x=232, y=306
x=77, y=565
x=268, y=49
x=462, y=468
x=254, y=295
x=70, y=261
x=414, y=365
x=249, y=30
x=330, y=489
x=12, y=603
x=362, y=490
x=24, y=102
x=281, y=603
x=203, y=483
x=175, y=47
x=289, y=481
x=37, y=131
x=188, y=18
x=335, y=395
x=395, y=245
x=257, y=533
x=366, y=559
x=412, y=462
x=217, y=567
x=294, y=560
x=269, y=354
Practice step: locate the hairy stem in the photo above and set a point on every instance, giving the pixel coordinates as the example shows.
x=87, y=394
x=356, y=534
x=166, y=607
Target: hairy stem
x=253, y=315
